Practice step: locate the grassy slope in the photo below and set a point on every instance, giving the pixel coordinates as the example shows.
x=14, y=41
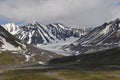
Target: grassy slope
x=59, y=75
x=77, y=75
x=6, y=58
x=25, y=75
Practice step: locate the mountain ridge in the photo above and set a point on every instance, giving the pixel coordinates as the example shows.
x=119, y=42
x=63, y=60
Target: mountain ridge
x=102, y=37
x=35, y=33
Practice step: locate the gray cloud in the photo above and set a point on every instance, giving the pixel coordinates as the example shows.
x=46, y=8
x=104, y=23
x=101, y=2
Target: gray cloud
x=80, y=13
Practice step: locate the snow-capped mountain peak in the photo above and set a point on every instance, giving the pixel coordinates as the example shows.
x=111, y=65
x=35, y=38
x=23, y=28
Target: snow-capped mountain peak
x=34, y=22
x=11, y=27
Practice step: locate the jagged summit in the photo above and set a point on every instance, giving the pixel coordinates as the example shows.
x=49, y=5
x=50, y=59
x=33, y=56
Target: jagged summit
x=33, y=23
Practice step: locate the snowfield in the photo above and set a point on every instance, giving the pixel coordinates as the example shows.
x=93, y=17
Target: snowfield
x=56, y=47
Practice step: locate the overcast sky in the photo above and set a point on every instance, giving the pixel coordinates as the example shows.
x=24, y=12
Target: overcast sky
x=81, y=13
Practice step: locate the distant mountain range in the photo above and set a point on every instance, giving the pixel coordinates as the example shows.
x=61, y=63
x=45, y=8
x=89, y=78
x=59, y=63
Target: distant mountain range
x=100, y=38
x=35, y=33
x=24, y=40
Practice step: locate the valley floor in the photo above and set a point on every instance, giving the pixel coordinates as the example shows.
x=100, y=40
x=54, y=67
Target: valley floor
x=62, y=74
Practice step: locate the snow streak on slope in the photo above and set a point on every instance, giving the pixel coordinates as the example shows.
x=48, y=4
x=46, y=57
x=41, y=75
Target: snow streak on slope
x=8, y=46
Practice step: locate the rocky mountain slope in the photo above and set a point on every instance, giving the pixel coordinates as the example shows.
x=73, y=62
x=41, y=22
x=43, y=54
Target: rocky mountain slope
x=9, y=42
x=103, y=37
